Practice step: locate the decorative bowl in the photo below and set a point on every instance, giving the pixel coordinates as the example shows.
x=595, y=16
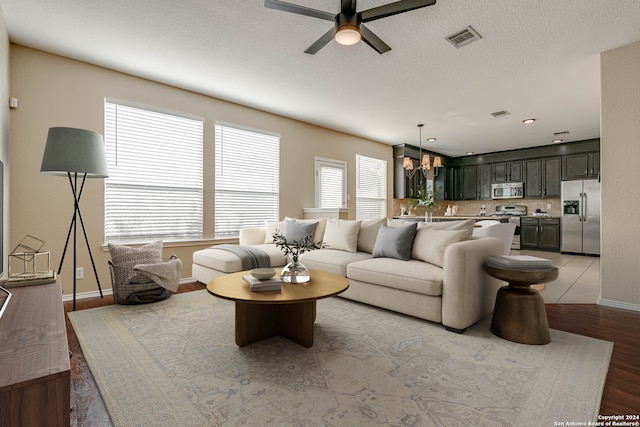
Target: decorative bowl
x=263, y=273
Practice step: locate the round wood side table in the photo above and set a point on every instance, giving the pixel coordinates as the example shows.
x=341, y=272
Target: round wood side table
x=519, y=314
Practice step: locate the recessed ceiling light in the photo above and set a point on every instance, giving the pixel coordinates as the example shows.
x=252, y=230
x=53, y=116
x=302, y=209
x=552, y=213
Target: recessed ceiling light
x=468, y=153
x=557, y=141
x=527, y=121
x=431, y=139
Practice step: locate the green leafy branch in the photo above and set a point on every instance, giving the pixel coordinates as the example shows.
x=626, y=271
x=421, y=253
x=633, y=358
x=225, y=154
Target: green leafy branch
x=295, y=248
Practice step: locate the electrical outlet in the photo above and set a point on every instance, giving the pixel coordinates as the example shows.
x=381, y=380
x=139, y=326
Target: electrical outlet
x=79, y=273
x=548, y=205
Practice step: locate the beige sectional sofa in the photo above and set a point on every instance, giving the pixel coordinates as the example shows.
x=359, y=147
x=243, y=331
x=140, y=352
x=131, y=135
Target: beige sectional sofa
x=443, y=279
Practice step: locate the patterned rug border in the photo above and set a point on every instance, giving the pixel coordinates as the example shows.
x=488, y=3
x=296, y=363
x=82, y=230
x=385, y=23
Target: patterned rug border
x=144, y=374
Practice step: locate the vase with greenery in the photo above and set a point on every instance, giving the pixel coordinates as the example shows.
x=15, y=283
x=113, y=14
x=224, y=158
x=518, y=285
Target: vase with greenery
x=427, y=199
x=294, y=271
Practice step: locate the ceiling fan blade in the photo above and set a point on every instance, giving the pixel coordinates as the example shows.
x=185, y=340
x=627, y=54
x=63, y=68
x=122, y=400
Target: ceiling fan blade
x=300, y=10
x=394, y=9
x=321, y=42
x=372, y=40
x=348, y=6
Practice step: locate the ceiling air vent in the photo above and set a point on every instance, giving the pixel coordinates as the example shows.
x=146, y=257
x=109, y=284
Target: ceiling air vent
x=564, y=132
x=500, y=113
x=464, y=37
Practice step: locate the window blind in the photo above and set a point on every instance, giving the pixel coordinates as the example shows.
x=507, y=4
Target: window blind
x=371, y=187
x=330, y=184
x=247, y=167
x=154, y=189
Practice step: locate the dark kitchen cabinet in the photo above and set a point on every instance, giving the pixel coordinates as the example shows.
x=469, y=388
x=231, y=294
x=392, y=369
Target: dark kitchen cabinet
x=581, y=166
x=551, y=176
x=469, y=182
x=507, y=172
x=542, y=177
x=540, y=233
x=533, y=178
x=485, y=181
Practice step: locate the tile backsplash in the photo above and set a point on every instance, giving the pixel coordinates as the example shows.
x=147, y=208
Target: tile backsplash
x=472, y=207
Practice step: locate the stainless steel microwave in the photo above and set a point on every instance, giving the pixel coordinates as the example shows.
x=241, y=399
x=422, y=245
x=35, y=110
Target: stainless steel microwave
x=507, y=190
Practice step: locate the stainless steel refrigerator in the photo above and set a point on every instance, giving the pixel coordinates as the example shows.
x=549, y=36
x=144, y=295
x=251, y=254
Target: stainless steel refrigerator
x=581, y=216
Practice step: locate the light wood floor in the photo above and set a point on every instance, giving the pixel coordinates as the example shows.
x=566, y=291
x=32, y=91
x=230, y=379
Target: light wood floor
x=622, y=327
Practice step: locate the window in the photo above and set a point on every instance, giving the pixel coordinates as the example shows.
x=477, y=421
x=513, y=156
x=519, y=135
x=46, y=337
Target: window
x=331, y=183
x=247, y=165
x=154, y=189
x=371, y=187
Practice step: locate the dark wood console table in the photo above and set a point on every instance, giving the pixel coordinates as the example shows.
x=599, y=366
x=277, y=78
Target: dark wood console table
x=35, y=372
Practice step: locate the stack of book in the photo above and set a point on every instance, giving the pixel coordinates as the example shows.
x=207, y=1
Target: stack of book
x=25, y=279
x=520, y=262
x=257, y=285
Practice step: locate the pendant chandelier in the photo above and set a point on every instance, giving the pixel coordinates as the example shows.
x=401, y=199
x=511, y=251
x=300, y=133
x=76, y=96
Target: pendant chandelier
x=425, y=161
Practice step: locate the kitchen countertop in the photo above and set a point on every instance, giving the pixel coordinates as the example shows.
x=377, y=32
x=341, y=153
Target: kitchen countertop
x=414, y=217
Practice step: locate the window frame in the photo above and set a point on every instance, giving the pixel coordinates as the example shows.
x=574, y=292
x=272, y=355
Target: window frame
x=194, y=182
x=383, y=186
x=319, y=163
x=245, y=165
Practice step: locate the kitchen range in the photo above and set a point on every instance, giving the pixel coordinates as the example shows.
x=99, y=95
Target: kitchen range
x=513, y=212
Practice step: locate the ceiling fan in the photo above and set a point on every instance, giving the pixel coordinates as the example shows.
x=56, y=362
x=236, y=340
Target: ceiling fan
x=349, y=25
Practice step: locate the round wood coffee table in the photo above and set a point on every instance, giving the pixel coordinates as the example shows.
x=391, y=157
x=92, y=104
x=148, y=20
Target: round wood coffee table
x=519, y=314
x=289, y=312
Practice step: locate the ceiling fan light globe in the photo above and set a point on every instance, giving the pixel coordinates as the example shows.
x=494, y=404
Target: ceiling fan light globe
x=348, y=35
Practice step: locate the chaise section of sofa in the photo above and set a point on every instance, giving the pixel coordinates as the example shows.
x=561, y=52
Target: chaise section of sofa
x=443, y=281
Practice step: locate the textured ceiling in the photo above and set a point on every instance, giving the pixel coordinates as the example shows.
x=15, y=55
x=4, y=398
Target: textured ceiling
x=536, y=59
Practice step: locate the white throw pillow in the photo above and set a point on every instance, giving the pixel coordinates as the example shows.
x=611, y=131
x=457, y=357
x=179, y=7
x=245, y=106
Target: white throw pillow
x=430, y=243
x=271, y=228
x=464, y=224
x=368, y=233
x=341, y=234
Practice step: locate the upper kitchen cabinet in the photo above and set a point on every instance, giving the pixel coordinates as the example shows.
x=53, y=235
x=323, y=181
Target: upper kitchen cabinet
x=484, y=175
x=542, y=177
x=508, y=172
x=581, y=166
x=551, y=177
x=533, y=178
x=468, y=188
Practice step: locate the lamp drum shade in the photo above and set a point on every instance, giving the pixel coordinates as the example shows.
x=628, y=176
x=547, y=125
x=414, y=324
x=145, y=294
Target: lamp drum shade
x=76, y=151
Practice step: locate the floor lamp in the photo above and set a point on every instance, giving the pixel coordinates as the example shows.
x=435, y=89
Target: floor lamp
x=75, y=153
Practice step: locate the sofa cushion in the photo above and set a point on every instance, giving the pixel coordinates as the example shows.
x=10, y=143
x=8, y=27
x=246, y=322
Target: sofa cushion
x=319, y=234
x=413, y=276
x=341, y=234
x=465, y=224
x=270, y=229
x=429, y=244
x=331, y=260
x=228, y=262
x=368, y=233
x=295, y=231
x=395, y=242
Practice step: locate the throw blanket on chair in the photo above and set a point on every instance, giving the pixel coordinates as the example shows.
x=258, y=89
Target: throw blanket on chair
x=251, y=257
x=166, y=274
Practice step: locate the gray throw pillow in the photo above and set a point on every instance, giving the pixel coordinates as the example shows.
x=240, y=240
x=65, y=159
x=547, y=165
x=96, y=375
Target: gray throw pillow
x=124, y=258
x=294, y=231
x=395, y=242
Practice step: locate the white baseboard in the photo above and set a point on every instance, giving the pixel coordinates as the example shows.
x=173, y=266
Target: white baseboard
x=618, y=304
x=94, y=294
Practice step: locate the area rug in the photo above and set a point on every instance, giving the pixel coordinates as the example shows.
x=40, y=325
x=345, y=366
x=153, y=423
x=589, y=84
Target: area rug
x=175, y=363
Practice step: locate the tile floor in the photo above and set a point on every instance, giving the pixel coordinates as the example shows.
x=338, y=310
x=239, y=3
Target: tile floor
x=578, y=279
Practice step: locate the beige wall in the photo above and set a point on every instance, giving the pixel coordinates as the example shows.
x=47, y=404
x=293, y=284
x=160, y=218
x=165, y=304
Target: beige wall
x=620, y=147
x=56, y=91
x=4, y=134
